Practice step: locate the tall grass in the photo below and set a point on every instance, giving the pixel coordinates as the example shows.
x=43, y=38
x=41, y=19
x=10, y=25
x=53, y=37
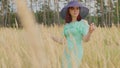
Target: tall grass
x=102, y=51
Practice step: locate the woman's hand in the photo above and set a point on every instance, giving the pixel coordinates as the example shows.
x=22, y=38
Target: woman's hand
x=56, y=39
x=91, y=28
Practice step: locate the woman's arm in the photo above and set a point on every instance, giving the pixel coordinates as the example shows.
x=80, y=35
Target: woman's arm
x=58, y=40
x=86, y=38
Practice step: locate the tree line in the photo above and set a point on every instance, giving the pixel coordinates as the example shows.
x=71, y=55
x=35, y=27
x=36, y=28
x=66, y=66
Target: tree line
x=107, y=12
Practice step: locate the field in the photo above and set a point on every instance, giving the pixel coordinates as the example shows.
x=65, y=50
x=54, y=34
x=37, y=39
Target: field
x=22, y=49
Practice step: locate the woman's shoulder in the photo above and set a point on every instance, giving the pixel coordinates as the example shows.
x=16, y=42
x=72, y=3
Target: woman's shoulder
x=84, y=21
x=68, y=25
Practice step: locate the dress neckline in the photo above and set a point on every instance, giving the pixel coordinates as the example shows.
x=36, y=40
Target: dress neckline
x=73, y=22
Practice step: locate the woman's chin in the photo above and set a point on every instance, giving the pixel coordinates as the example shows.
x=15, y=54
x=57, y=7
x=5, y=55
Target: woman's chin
x=75, y=16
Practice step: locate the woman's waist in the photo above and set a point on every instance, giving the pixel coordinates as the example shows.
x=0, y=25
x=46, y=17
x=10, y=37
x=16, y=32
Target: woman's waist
x=74, y=42
x=74, y=45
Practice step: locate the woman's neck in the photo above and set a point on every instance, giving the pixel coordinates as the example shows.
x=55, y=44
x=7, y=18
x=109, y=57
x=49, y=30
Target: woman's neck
x=74, y=19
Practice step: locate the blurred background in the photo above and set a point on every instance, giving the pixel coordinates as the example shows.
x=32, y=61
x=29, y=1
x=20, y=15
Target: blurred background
x=102, y=12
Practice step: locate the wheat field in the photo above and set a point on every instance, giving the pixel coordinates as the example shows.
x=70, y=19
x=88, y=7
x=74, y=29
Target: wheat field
x=32, y=46
x=18, y=49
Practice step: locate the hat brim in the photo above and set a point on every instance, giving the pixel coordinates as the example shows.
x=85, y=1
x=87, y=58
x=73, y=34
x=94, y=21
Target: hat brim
x=84, y=11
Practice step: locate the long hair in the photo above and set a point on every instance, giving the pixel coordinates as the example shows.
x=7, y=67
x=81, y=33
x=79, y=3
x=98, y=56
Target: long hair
x=68, y=17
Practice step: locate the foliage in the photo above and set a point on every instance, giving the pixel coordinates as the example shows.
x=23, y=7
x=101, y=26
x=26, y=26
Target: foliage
x=48, y=16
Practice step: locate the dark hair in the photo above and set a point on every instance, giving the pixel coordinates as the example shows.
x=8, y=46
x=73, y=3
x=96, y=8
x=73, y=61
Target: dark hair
x=68, y=17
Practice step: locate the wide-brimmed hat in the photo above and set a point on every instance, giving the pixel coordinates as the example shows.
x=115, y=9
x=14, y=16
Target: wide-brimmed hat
x=83, y=10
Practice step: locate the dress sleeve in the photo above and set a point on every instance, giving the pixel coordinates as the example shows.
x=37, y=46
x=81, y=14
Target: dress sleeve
x=85, y=28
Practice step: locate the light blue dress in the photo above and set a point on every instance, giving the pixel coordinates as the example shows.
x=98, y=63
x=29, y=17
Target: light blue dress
x=73, y=52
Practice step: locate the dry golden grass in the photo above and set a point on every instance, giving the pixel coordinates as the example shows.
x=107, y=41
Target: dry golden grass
x=32, y=47
x=16, y=51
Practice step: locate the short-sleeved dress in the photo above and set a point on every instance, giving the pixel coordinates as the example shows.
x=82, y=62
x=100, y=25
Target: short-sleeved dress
x=73, y=52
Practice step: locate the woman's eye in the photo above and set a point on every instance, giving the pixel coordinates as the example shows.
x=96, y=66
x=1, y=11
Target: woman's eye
x=77, y=8
x=72, y=8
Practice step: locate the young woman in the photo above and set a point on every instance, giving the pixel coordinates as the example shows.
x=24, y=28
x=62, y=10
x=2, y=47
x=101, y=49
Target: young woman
x=75, y=30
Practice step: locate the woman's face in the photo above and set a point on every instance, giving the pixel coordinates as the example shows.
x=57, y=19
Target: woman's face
x=74, y=11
